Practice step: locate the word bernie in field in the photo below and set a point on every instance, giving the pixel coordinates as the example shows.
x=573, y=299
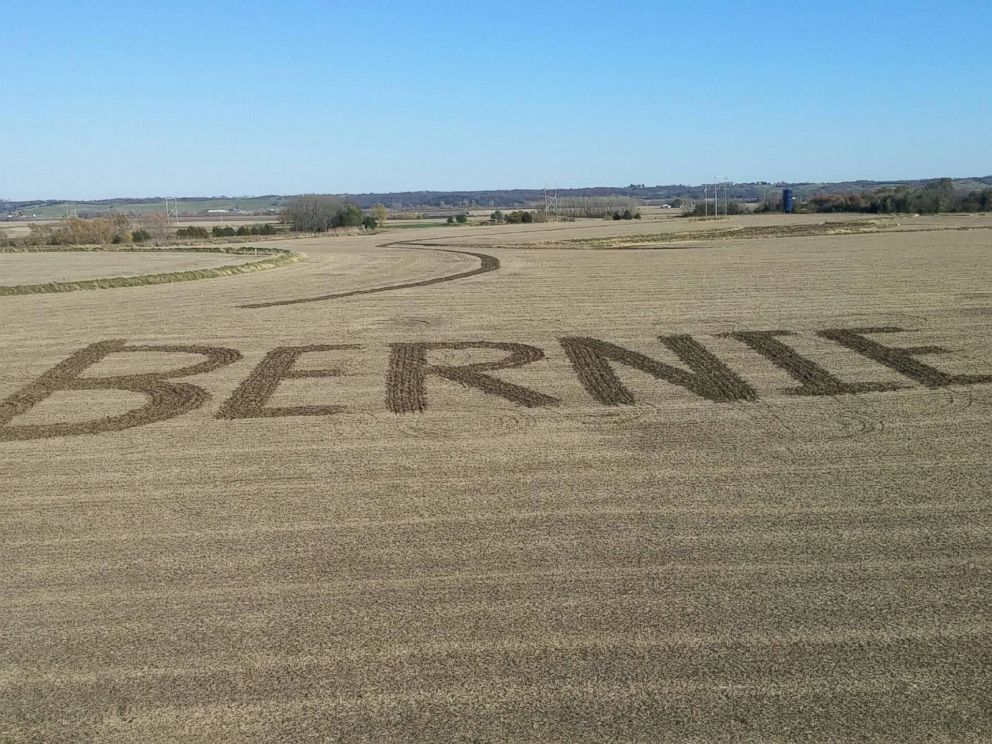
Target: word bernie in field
x=594, y=362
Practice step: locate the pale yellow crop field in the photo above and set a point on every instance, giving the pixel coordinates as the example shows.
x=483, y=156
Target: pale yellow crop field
x=65, y=266
x=551, y=500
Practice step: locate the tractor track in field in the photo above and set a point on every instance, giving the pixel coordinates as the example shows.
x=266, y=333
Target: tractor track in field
x=665, y=240
x=487, y=263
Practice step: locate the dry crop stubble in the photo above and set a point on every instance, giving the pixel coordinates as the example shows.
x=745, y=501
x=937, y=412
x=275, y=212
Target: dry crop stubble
x=75, y=268
x=676, y=569
x=63, y=266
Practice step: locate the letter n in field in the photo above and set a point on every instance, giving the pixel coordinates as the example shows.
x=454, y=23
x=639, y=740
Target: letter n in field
x=707, y=376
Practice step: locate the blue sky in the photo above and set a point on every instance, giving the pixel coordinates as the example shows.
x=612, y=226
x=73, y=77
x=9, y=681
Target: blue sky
x=104, y=99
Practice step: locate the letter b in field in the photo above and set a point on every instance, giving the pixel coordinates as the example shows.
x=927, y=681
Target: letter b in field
x=166, y=399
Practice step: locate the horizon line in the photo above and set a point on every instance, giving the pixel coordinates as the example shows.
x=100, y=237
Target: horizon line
x=476, y=190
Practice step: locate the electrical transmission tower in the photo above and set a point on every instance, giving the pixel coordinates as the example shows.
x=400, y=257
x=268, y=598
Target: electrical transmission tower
x=551, y=213
x=171, y=211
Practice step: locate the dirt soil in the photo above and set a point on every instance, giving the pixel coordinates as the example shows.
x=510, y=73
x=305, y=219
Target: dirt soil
x=572, y=498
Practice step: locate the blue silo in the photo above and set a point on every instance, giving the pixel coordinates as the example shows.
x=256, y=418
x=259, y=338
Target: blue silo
x=787, y=201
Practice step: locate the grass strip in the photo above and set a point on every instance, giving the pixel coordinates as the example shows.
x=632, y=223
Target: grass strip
x=732, y=233
x=273, y=258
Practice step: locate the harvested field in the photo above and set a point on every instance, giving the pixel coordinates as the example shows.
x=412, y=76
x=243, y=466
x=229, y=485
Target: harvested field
x=486, y=263
x=49, y=269
x=41, y=268
x=739, y=492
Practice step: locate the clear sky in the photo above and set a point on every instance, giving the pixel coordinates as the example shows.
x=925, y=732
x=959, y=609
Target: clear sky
x=103, y=99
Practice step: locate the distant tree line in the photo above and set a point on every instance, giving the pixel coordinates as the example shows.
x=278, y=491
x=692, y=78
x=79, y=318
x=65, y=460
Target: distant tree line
x=703, y=209
x=489, y=199
x=317, y=213
x=119, y=229
x=625, y=215
x=603, y=207
x=116, y=229
x=933, y=198
x=506, y=199
x=938, y=196
x=226, y=231
x=192, y=233
x=514, y=218
x=510, y=199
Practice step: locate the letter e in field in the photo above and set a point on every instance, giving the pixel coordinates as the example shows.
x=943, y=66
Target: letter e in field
x=249, y=400
x=901, y=359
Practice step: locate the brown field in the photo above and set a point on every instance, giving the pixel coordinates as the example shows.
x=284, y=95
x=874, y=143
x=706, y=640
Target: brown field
x=22, y=229
x=67, y=266
x=570, y=495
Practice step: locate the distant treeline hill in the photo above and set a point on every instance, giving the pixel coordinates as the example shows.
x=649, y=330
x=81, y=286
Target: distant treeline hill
x=483, y=199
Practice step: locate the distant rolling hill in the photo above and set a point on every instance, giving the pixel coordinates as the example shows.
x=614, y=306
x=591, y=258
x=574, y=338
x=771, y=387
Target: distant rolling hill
x=483, y=199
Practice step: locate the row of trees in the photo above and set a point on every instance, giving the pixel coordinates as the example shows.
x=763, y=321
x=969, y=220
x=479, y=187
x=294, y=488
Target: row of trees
x=524, y=216
x=513, y=218
x=225, y=231
x=602, y=207
x=118, y=229
x=704, y=209
x=317, y=213
x=938, y=196
x=932, y=198
x=305, y=214
x=75, y=231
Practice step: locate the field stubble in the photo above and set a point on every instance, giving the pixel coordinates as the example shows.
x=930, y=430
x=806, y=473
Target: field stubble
x=763, y=567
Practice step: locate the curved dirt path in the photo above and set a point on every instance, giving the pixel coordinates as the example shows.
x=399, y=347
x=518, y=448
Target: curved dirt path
x=491, y=263
x=487, y=263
